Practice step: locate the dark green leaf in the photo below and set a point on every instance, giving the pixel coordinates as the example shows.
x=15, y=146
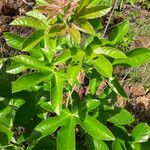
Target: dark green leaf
x=5, y=135
x=116, y=87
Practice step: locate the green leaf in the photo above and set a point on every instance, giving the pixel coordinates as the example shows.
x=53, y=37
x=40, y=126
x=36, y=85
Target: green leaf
x=32, y=40
x=94, y=12
x=84, y=26
x=41, y=2
x=103, y=66
x=95, y=144
x=31, y=62
x=66, y=55
x=56, y=92
x=15, y=68
x=67, y=133
x=44, y=144
x=5, y=135
x=29, y=22
x=2, y=60
x=49, y=126
x=85, y=106
x=93, y=3
x=116, y=87
x=82, y=4
x=94, y=81
x=63, y=57
x=96, y=129
x=72, y=73
x=109, y=51
x=117, y=35
x=75, y=34
x=16, y=42
x=13, y=40
x=141, y=133
x=136, y=57
x=116, y=145
x=37, y=15
x=26, y=112
x=120, y=117
x=5, y=86
x=29, y=80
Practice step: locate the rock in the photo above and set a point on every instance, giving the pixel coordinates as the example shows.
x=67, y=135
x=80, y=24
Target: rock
x=126, y=87
x=142, y=41
x=138, y=90
x=143, y=102
x=121, y=102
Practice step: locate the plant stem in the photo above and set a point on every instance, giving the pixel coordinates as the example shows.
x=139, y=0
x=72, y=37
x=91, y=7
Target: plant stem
x=109, y=20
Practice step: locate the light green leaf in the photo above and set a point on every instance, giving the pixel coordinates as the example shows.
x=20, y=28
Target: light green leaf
x=63, y=57
x=15, y=68
x=67, y=133
x=96, y=129
x=109, y=51
x=33, y=39
x=72, y=73
x=116, y=145
x=5, y=135
x=93, y=3
x=29, y=80
x=94, y=12
x=75, y=34
x=41, y=2
x=141, y=133
x=116, y=87
x=13, y=40
x=49, y=126
x=31, y=62
x=84, y=26
x=103, y=66
x=29, y=22
x=82, y=4
x=66, y=55
x=119, y=32
x=136, y=57
x=37, y=15
x=56, y=93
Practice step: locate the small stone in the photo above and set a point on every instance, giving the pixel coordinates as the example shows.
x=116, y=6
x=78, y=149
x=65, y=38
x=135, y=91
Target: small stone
x=138, y=90
x=121, y=102
x=143, y=102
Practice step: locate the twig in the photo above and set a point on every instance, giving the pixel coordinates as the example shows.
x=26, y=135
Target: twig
x=31, y=3
x=126, y=75
x=109, y=20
